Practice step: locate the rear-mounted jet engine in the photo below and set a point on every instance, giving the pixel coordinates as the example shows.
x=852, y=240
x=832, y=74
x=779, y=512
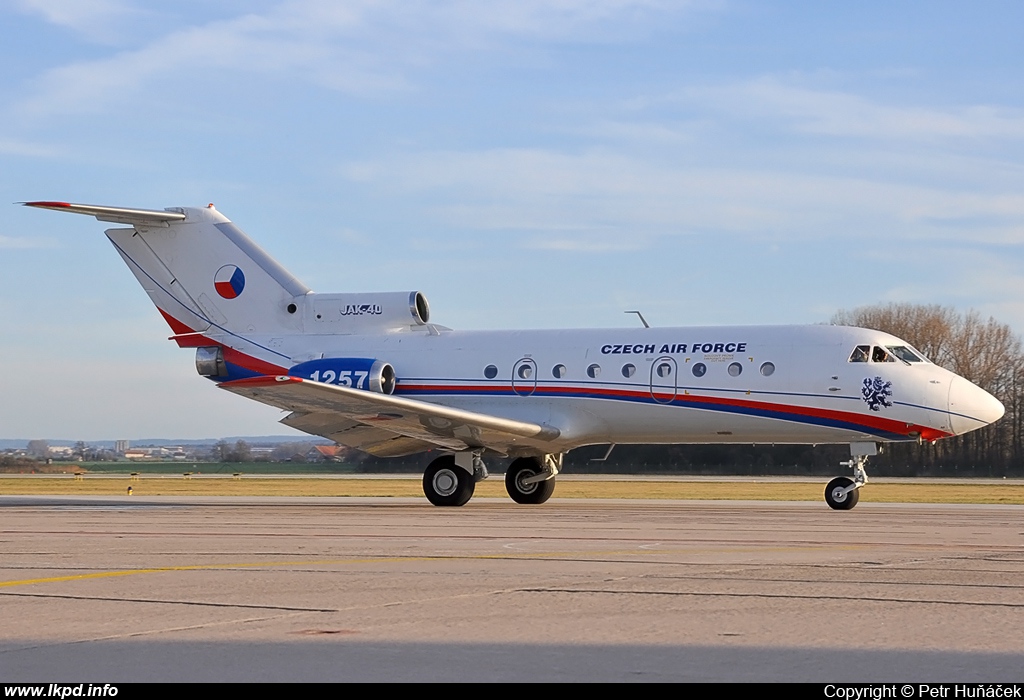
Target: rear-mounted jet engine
x=358, y=373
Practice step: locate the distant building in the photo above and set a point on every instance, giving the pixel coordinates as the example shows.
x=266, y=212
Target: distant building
x=326, y=453
x=121, y=446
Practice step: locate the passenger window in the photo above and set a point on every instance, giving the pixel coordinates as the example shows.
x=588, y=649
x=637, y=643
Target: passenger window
x=558, y=371
x=490, y=371
x=525, y=371
x=628, y=371
x=860, y=353
x=699, y=369
x=735, y=369
x=880, y=355
x=768, y=369
x=594, y=371
x=664, y=370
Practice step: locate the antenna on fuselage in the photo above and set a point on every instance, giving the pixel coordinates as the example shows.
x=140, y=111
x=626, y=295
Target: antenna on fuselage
x=642, y=319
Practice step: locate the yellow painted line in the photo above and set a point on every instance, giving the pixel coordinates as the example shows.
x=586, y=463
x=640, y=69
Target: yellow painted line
x=201, y=567
x=583, y=556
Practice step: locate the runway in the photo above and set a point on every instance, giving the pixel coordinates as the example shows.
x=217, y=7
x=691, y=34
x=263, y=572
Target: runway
x=357, y=589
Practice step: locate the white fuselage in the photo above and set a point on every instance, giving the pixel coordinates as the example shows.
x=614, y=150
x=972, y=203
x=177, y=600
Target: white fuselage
x=787, y=384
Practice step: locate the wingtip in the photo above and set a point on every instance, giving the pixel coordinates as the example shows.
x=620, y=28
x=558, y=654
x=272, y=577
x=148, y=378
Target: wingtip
x=46, y=205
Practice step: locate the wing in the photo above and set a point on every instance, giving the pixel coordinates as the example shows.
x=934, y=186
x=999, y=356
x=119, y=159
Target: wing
x=384, y=425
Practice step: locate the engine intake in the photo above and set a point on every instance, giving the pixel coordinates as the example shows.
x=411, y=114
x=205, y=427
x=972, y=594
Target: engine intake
x=356, y=312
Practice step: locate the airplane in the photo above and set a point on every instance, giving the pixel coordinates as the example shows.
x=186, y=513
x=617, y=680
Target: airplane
x=372, y=371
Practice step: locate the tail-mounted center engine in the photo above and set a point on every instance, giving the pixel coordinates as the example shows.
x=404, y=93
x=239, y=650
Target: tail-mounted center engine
x=210, y=362
x=355, y=372
x=360, y=313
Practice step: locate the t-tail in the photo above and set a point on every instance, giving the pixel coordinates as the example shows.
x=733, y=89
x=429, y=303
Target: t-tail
x=223, y=294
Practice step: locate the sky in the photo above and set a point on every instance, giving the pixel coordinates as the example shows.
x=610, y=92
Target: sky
x=523, y=163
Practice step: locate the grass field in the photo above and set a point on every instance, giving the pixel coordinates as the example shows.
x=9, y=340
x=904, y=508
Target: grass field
x=198, y=468
x=578, y=487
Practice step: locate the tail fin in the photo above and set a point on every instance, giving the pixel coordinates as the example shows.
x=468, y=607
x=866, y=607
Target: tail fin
x=202, y=273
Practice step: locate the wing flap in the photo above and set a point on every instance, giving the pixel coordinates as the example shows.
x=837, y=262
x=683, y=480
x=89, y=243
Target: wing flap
x=380, y=443
x=373, y=420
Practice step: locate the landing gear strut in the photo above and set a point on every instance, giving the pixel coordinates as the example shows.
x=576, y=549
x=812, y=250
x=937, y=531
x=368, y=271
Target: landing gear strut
x=842, y=493
x=531, y=480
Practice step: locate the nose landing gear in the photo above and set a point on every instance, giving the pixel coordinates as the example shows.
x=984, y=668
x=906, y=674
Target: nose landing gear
x=842, y=493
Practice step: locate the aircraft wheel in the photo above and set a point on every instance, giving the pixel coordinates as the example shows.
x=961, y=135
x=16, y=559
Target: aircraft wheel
x=537, y=492
x=836, y=499
x=445, y=484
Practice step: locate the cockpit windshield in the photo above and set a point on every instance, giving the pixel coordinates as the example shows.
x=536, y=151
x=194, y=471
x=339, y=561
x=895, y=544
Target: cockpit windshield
x=860, y=353
x=889, y=353
x=904, y=353
x=880, y=355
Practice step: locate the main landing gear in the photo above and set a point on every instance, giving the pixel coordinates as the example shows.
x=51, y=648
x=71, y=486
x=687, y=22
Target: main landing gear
x=842, y=493
x=531, y=480
x=450, y=480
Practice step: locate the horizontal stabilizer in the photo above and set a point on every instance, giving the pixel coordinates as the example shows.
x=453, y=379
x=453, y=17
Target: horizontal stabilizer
x=118, y=215
x=337, y=408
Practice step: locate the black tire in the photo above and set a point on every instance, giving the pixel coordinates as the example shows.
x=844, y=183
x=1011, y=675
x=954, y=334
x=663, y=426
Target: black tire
x=446, y=484
x=528, y=494
x=838, y=501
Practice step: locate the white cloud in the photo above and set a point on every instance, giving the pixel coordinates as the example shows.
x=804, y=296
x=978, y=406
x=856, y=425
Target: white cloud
x=97, y=20
x=250, y=43
x=837, y=113
x=360, y=47
x=585, y=245
x=573, y=20
x=640, y=132
x=26, y=148
x=22, y=243
x=533, y=189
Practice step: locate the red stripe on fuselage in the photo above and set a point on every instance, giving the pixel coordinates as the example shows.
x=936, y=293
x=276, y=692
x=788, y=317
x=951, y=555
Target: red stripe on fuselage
x=696, y=401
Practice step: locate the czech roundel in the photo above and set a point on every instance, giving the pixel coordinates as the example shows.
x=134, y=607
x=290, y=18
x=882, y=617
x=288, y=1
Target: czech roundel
x=229, y=281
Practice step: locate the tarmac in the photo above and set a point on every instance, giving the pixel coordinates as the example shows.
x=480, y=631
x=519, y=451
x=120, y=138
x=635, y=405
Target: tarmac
x=129, y=589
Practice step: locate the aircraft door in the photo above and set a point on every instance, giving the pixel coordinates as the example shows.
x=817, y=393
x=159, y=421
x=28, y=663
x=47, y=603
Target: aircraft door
x=664, y=379
x=524, y=377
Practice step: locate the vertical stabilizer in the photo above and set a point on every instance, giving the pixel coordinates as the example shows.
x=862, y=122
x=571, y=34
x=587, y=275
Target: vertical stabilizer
x=205, y=273
x=201, y=271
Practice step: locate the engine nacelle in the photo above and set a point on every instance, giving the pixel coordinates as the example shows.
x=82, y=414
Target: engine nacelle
x=355, y=372
x=355, y=313
x=210, y=362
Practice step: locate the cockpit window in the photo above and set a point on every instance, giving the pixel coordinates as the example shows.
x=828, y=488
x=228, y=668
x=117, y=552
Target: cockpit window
x=860, y=353
x=880, y=355
x=904, y=353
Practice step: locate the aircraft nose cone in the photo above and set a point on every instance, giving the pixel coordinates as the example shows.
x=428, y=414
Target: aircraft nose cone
x=971, y=407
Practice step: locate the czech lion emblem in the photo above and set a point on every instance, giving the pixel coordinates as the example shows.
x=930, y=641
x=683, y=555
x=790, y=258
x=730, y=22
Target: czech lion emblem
x=876, y=393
